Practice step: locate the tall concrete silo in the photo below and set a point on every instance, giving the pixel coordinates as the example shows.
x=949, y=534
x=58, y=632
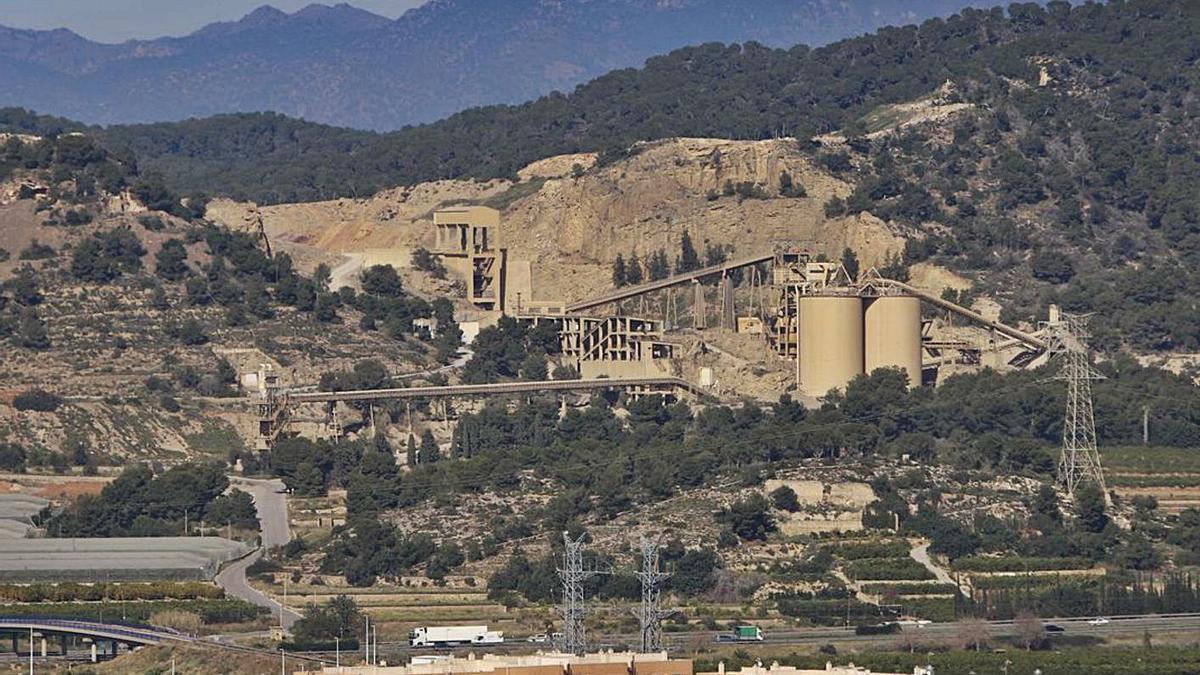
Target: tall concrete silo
x=831, y=342
x=892, y=329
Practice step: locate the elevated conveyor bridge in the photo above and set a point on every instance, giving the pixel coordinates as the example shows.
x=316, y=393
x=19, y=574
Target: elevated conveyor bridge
x=634, y=291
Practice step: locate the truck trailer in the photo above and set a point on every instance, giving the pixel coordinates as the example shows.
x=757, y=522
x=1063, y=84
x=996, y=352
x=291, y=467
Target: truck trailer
x=742, y=634
x=453, y=636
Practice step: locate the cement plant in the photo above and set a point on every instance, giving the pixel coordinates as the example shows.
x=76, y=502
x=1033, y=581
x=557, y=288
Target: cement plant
x=600, y=338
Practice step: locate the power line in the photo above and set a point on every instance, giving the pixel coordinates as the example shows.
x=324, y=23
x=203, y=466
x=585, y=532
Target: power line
x=1080, y=460
x=650, y=613
x=573, y=610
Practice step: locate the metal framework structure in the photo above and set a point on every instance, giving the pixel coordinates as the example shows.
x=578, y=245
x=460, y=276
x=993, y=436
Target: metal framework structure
x=650, y=614
x=573, y=575
x=1067, y=337
x=275, y=404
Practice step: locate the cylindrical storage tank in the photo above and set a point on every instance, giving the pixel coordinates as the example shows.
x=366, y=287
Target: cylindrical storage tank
x=831, y=342
x=892, y=329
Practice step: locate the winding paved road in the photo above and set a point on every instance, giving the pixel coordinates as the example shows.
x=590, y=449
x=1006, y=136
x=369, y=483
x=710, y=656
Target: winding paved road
x=273, y=521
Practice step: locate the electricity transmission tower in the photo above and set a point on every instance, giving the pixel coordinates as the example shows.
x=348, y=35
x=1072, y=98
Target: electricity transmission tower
x=573, y=576
x=1066, y=336
x=650, y=614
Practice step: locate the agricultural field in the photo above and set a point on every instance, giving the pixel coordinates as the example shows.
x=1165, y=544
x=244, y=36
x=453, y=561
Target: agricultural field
x=1169, y=475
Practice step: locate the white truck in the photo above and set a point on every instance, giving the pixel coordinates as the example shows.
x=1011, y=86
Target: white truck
x=453, y=636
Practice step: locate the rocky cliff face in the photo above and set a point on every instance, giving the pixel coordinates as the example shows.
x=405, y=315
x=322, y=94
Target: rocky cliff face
x=571, y=221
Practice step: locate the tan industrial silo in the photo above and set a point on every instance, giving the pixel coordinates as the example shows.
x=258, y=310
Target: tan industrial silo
x=892, y=329
x=831, y=342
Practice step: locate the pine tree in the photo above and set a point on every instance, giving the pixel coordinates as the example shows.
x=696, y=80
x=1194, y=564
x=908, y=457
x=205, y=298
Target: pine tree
x=619, y=275
x=172, y=261
x=24, y=287
x=429, y=453
x=688, y=259
x=850, y=262
x=411, y=458
x=159, y=299
x=31, y=330
x=658, y=268
x=633, y=271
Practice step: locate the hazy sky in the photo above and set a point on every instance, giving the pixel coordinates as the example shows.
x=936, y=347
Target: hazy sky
x=117, y=20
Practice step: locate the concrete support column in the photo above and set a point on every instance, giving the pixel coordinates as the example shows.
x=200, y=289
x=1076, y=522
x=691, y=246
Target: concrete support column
x=43, y=646
x=94, y=655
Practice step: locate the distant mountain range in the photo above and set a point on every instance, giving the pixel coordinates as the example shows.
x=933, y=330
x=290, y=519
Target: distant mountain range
x=346, y=66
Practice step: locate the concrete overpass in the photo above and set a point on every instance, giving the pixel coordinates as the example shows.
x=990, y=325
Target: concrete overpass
x=104, y=638
x=110, y=636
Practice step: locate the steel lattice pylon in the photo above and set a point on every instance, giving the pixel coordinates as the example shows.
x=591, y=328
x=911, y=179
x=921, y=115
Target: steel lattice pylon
x=1080, y=461
x=573, y=575
x=650, y=614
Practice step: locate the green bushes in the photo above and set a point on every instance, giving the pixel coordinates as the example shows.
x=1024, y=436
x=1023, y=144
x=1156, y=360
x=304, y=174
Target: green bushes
x=829, y=608
x=210, y=611
x=71, y=592
x=887, y=569
x=37, y=400
x=12, y=457
x=138, y=503
x=107, y=256
x=870, y=549
x=1018, y=564
x=910, y=589
x=933, y=609
x=1172, y=592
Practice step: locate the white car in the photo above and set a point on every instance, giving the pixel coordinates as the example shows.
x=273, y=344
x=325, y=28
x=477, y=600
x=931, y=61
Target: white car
x=541, y=637
x=1098, y=621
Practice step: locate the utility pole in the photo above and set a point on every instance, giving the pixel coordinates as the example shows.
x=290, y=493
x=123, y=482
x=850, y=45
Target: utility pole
x=650, y=614
x=572, y=610
x=1080, y=460
x=1145, y=425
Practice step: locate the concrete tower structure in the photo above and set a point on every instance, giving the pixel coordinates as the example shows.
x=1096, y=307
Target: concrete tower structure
x=892, y=335
x=831, y=342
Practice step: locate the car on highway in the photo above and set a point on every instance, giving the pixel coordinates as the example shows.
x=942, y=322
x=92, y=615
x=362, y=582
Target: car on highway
x=540, y=637
x=1055, y=628
x=1098, y=621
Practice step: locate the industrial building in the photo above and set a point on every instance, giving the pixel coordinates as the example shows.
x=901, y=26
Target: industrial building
x=541, y=663
x=826, y=326
x=829, y=669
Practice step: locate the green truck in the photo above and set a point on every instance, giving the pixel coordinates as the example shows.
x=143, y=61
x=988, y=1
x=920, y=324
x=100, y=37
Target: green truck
x=743, y=634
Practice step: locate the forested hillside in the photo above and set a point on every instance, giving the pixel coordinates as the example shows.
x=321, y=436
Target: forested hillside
x=1138, y=49
x=343, y=65
x=1065, y=172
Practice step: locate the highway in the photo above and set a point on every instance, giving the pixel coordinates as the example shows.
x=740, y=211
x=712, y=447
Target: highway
x=948, y=632
x=271, y=504
x=933, y=633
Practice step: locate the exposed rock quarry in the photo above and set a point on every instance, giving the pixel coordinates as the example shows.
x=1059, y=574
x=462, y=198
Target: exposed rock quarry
x=572, y=226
